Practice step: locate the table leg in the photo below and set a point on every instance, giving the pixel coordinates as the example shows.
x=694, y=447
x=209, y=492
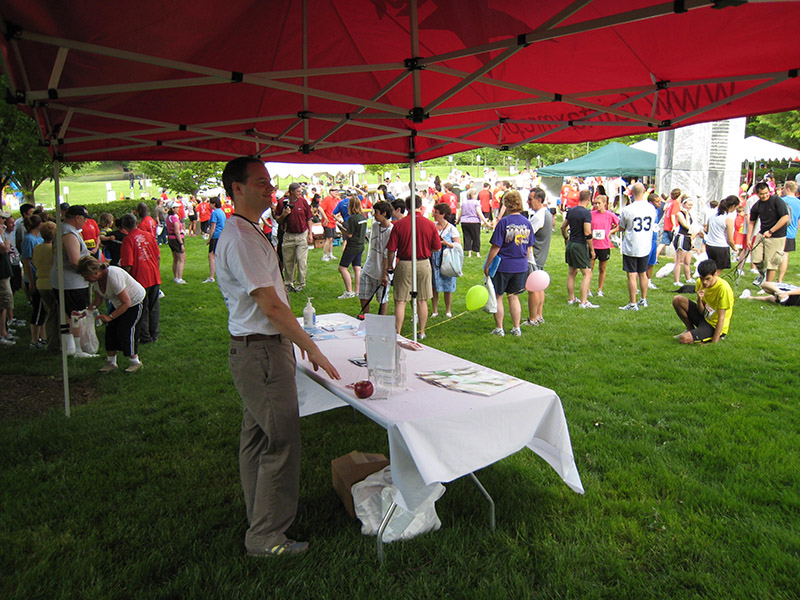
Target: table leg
x=386, y=518
x=488, y=499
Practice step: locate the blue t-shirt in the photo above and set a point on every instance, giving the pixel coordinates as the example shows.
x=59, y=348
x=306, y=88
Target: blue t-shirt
x=29, y=242
x=342, y=209
x=218, y=218
x=793, y=206
x=513, y=234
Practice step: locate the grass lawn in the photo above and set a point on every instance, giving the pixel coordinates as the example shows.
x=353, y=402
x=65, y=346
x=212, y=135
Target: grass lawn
x=688, y=456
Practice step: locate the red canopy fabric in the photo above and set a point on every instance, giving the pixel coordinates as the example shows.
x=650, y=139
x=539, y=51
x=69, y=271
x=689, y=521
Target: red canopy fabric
x=368, y=80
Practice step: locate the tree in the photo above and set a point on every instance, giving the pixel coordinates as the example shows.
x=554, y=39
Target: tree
x=782, y=128
x=23, y=160
x=181, y=177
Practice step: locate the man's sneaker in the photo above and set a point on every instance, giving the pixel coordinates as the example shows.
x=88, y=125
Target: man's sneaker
x=588, y=304
x=133, y=367
x=590, y=294
x=16, y=323
x=325, y=258
x=629, y=306
x=539, y=321
x=449, y=315
x=179, y=281
x=573, y=301
x=516, y=331
x=600, y=294
x=689, y=281
x=529, y=323
x=498, y=331
x=161, y=294
x=434, y=315
x=287, y=548
x=346, y=295
x=676, y=284
x=6, y=342
x=651, y=286
x=745, y=294
x=299, y=288
x=642, y=303
x=208, y=280
x=107, y=368
x=758, y=280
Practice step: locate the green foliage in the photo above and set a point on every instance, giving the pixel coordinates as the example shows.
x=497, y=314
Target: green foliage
x=120, y=207
x=179, y=176
x=782, y=128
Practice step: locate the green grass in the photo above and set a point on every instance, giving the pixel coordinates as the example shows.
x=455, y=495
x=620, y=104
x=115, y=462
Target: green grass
x=688, y=456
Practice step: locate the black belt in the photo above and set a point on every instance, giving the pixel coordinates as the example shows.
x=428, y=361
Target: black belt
x=255, y=337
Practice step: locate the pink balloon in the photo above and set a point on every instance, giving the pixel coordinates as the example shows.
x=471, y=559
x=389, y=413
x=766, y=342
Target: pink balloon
x=537, y=281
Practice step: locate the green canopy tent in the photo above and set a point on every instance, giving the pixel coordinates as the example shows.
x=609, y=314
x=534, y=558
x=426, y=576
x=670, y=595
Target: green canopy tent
x=612, y=160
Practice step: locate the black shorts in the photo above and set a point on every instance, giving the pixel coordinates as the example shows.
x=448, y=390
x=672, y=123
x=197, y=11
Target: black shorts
x=602, y=254
x=509, y=283
x=791, y=301
x=330, y=232
x=721, y=256
x=176, y=246
x=193, y=217
x=75, y=300
x=703, y=330
x=351, y=258
x=683, y=242
x=635, y=264
x=789, y=246
x=121, y=332
x=212, y=245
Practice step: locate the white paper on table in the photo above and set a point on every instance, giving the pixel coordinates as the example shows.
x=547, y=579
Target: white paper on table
x=381, y=341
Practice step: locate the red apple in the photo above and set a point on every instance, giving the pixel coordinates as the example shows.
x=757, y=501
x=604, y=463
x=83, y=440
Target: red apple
x=363, y=389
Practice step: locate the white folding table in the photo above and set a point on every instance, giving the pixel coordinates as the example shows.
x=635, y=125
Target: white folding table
x=435, y=434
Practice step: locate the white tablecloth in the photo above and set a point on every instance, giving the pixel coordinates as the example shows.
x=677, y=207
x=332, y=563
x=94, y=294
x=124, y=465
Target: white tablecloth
x=438, y=435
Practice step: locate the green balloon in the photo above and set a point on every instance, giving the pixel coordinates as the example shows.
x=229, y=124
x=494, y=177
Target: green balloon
x=477, y=297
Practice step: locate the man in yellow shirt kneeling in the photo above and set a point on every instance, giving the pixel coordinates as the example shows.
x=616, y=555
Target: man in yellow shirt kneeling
x=708, y=319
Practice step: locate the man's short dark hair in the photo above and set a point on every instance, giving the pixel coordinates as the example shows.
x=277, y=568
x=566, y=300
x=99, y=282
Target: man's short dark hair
x=539, y=194
x=384, y=208
x=128, y=221
x=417, y=202
x=216, y=202
x=706, y=267
x=761, y=185
x=236, y=172
x=584, y=196
x=142, y=210
x=24, y=208
x=398, y=204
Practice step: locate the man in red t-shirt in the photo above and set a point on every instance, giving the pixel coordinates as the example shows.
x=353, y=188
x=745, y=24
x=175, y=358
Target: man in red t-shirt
x=294, y=218
x=146, y=222
x=140, y=256
x=204, y=214
x=485, y=197
x=90, y=232
x=327, y=205
x=451, y=200
x=400, y=244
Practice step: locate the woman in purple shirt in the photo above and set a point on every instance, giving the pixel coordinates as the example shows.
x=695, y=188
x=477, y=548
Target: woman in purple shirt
x=470, y=217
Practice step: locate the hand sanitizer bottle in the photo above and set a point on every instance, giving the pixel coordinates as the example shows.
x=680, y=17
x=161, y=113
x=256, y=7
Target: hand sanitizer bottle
x=309, y=315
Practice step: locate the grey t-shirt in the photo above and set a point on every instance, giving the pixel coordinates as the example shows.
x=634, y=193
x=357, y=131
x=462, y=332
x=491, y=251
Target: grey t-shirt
x=72, y=281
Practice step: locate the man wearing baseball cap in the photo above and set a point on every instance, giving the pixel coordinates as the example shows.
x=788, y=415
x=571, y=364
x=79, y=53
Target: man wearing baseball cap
x=294, y=217
x=76, y=288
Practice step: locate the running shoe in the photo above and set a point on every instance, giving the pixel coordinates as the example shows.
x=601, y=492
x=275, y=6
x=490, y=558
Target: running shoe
x=588, y=304
x=516, y=331
x=498, y=331
x=208, y=280
x=630, y=306
x=600, y=294
x=745, y=294
x=573, y=301
x=642, y=303
x=651, y=286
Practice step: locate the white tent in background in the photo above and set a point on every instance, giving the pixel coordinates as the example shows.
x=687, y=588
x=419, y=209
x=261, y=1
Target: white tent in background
x=647, y=145
x=755, y=149
x=307, y=170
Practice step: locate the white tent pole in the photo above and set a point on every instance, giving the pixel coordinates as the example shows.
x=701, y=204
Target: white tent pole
x=62, y=319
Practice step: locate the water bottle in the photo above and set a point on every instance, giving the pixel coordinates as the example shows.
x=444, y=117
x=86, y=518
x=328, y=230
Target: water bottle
x=309, y=315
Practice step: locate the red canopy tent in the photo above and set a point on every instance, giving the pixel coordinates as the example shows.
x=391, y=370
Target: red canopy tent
x=368, y=81
x=384, y=81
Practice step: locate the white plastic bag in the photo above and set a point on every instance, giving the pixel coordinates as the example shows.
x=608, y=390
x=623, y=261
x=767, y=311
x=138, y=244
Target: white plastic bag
x=452, y=261
x=373, y=497
x=491, y=303
x=89, y=343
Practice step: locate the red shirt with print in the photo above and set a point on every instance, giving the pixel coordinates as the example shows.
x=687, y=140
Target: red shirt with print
x=140, y=252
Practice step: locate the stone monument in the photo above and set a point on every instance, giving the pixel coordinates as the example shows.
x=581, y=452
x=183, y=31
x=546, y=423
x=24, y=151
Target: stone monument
x=702, y=160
